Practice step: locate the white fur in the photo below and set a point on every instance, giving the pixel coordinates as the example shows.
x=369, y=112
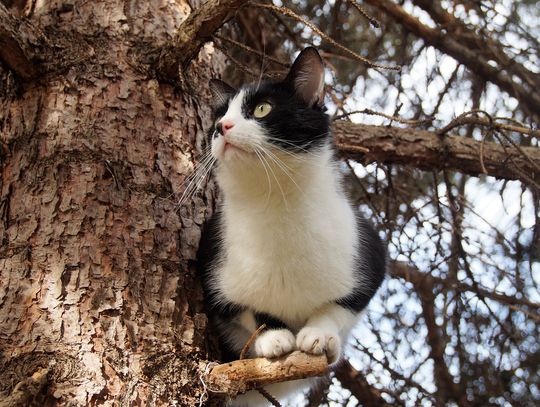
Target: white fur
x=291, y=240
x=274, y=343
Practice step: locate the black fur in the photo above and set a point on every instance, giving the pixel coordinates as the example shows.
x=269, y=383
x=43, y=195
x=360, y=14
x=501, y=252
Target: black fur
x=297, y=127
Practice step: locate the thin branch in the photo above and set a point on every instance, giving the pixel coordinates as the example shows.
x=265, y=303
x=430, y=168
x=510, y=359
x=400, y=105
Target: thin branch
x=412, y=275
x=464, y=55
x=353, y=380
x=371, y=20
x=394, y=118
x=250, y=340
x=243, y=375
x=289, y=13
x=196, y=30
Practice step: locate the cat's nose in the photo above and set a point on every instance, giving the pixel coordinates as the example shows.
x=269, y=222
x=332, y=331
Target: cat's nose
x=224, y=126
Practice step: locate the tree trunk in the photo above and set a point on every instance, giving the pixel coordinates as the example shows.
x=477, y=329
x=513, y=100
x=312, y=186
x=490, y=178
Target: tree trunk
x=98, y=302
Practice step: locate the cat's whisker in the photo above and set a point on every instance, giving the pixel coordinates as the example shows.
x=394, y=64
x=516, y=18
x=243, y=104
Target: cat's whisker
x=195, y=179
x=199, y=168
x=276, y=178
x=284, y=168
x=267, y=178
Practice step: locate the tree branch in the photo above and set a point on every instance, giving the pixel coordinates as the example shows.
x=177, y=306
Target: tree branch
x=529, y=98
x=20, y=42
x=197, y=29
x=352, y=380
x=416, y=277
x=427, y=150
x=247, y=374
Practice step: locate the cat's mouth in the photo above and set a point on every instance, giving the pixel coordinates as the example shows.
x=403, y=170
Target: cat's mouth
x=231, y=147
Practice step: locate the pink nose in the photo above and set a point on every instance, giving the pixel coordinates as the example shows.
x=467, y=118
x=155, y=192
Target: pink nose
x=224, y=126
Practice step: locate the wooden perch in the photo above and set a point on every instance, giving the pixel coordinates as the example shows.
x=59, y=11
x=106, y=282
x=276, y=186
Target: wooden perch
x=242, y=375
x=197, y=29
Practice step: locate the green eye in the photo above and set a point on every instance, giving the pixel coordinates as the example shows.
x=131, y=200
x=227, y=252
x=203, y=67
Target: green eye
x=262, y=109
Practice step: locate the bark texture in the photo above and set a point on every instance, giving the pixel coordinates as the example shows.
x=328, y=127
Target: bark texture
x=242, y=375
x=96, y=290
x=427, y=150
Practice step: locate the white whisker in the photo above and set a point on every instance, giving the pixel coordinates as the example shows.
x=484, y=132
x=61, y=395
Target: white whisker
x=276, y=178
x=267, y=178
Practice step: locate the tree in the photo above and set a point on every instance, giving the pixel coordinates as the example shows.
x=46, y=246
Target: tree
x=103, y=112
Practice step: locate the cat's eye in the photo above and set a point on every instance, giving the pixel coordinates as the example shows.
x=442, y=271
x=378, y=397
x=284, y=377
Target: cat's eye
x=262, y=110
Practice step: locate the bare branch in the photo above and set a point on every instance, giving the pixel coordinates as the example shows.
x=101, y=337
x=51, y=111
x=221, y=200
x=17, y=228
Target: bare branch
x=416, y=277
x=353, y=380
x=289, y=13
x=198, y=28
x=242, y=375
x=426, y=150
x=470, y=58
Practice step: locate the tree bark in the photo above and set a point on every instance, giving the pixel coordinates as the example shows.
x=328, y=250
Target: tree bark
x=427, y=150
x=96, y=288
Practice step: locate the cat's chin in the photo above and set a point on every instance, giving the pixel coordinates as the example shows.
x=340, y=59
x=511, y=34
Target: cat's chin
x=233, y=151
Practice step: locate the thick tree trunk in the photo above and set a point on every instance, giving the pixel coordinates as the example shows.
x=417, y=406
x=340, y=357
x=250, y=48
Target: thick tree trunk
x=97, y=298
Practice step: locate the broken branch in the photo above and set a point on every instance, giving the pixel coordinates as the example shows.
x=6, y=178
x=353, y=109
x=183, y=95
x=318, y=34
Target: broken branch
x=243, y=375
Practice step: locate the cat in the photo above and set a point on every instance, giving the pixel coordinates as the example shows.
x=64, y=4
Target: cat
x=285, y=247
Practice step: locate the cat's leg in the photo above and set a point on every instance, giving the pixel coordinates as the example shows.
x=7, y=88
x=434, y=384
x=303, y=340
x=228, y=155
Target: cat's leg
x=326, y=331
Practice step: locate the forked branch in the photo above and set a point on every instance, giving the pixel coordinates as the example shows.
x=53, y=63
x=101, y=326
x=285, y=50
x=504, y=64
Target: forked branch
x=197, y=29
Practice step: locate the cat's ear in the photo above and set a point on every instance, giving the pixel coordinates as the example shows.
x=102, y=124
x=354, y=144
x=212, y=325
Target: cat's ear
x=221, y=90
x=307, y=77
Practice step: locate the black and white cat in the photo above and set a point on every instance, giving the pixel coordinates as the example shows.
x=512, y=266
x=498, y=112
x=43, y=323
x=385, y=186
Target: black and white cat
x=285, y=248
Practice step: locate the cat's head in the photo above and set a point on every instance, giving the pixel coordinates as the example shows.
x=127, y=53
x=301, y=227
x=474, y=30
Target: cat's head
x=285, y=115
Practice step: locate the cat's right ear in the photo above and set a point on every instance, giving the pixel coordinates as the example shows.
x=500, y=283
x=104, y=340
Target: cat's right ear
x=221, y=90
x=307, y=77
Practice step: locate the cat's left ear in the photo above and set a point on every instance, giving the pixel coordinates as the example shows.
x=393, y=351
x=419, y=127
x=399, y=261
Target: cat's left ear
x=307, y=77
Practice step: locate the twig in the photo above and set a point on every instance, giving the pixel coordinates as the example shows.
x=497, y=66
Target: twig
x=394, y=118
x=253, y=336
x=243, y=67
x=252, y=50
x=360, y=9
x=268, y=397
x=288, y=12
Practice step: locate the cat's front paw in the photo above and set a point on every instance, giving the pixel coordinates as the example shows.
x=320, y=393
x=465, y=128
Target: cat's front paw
x=274, y=343
x=318, y=341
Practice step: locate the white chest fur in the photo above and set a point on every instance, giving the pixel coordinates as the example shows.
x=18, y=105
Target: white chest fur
x=289, y=248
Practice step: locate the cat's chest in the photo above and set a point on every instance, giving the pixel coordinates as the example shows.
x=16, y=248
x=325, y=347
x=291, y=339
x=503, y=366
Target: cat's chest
x=289, y=264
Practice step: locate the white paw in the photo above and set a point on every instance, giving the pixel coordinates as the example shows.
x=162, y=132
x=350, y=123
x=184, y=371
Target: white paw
x=274, y=343
x=317, y=341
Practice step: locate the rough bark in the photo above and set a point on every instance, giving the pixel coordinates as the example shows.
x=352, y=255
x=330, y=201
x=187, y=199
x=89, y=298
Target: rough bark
x=427, y=150
x=96, y=288
x=242, y=375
